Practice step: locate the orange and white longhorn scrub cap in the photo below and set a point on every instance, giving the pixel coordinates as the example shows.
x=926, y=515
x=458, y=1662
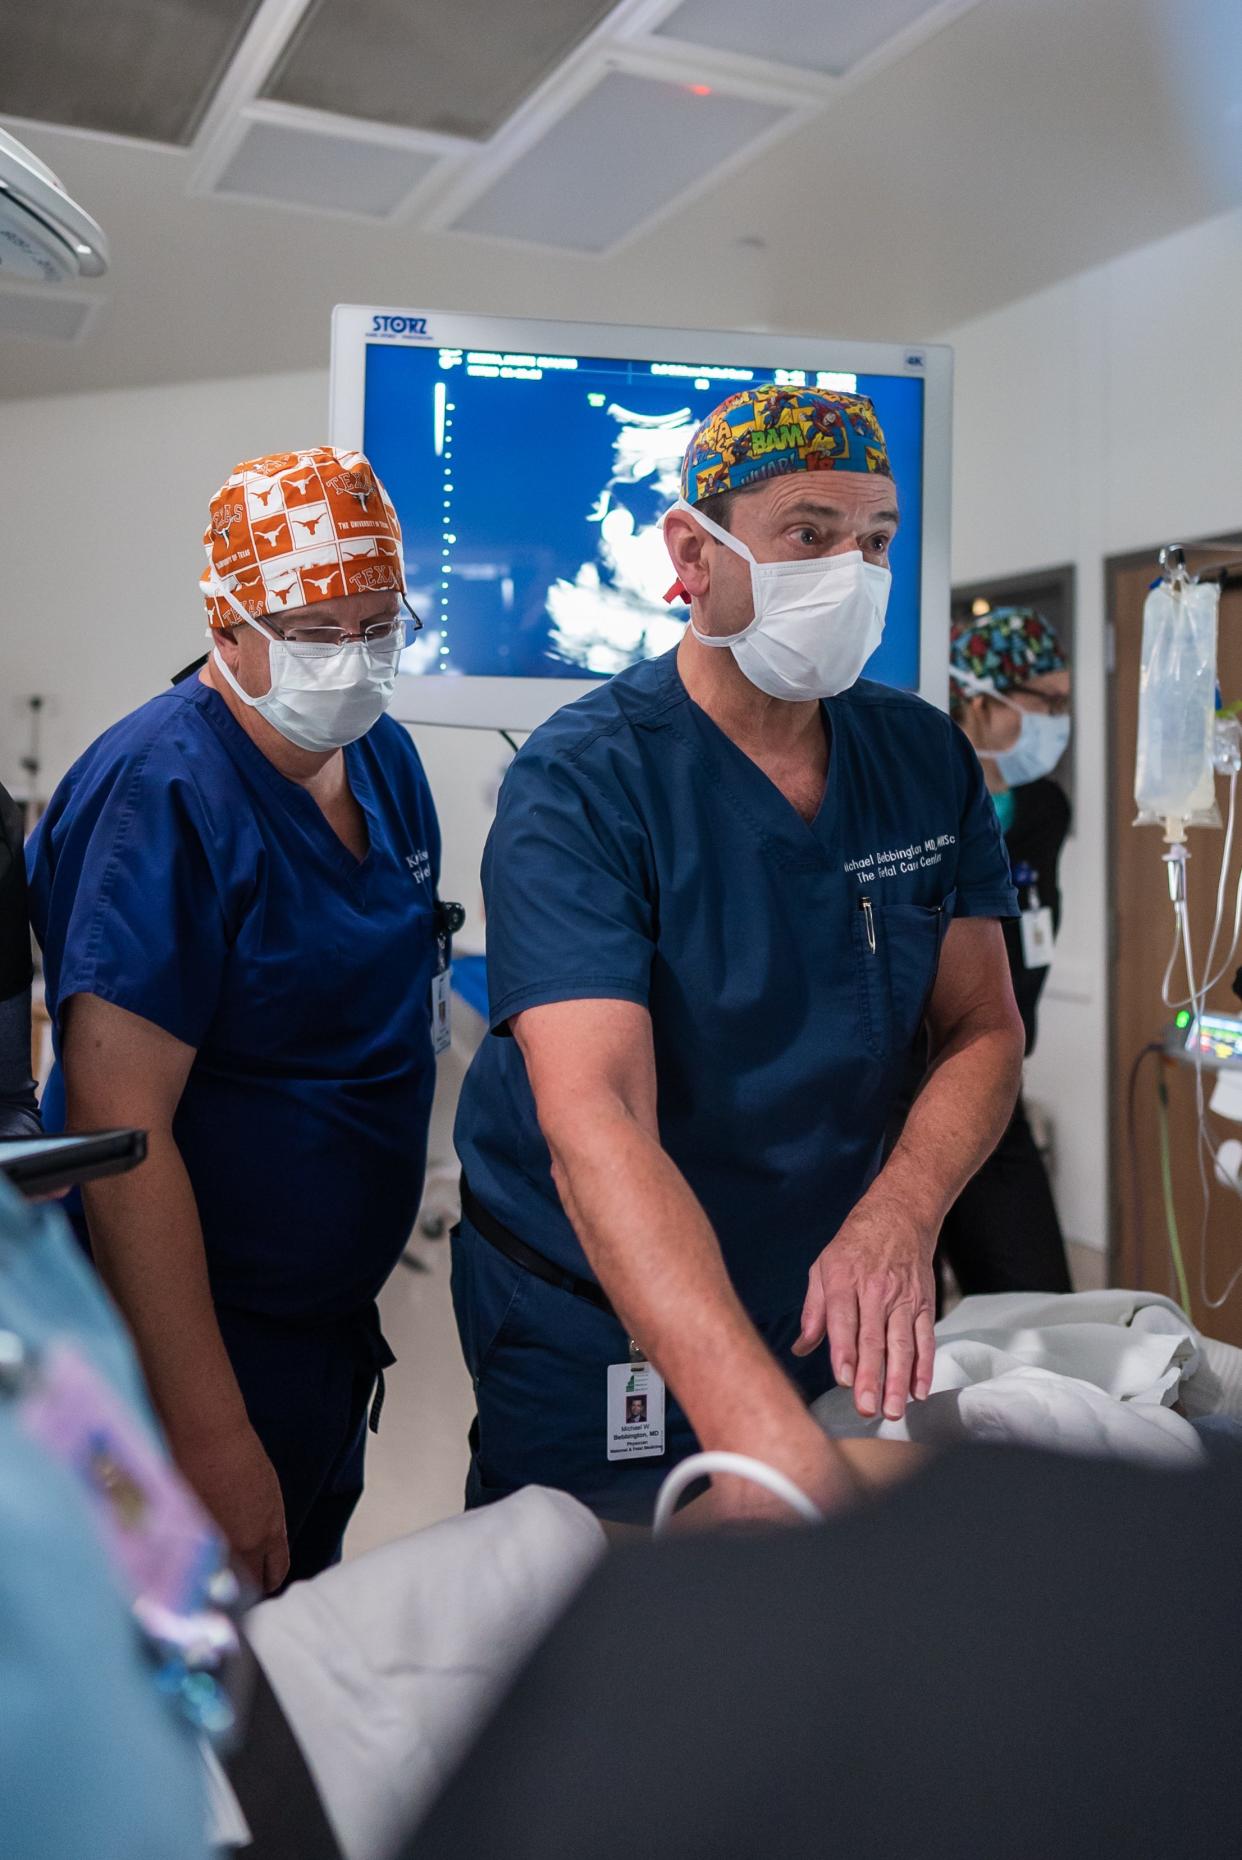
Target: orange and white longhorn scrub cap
x=294, y=528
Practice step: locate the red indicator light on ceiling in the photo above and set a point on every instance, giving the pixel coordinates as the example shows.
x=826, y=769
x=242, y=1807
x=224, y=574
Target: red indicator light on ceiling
x=699, y=90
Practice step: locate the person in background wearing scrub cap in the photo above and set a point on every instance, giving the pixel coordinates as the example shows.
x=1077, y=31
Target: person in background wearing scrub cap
x=235, y=891
x=1010, y=692
x=724, y=892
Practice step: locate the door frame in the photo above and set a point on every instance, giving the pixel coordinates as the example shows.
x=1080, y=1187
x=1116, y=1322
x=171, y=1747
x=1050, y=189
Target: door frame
x=1032, y=588
x=1113, y=566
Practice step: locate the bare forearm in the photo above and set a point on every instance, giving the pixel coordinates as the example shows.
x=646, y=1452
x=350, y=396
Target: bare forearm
x=148, y=1245
x=956, y=1121
x=656, y=1255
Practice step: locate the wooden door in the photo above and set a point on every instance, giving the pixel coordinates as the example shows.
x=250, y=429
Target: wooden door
x=1142, y=930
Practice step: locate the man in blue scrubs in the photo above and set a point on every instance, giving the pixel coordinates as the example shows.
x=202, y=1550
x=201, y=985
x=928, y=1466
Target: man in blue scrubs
x=235, y=891
x=724, y=893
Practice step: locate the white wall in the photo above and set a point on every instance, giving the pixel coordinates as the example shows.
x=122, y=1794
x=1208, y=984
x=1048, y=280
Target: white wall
x=102, y=508
x=1099, y=416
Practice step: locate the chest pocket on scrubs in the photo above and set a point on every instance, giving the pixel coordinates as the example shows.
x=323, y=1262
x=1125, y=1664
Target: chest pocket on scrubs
x=896, y=955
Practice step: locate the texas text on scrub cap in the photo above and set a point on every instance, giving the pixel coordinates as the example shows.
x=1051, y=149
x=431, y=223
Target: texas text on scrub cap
x=766, y=431
x=294, y=528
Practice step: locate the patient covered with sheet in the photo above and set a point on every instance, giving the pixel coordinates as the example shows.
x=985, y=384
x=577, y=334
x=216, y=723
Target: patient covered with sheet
x=1109, y=1372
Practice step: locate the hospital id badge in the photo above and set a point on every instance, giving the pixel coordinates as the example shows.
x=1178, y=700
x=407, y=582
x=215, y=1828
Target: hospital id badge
x=1037, y=938
x=441, y=1011
x=635, y=1411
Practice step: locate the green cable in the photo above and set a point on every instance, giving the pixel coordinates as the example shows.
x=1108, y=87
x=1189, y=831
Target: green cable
x=1166, y=1178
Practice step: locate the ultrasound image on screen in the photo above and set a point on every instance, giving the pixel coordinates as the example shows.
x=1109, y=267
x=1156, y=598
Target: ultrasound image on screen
x=530, y=490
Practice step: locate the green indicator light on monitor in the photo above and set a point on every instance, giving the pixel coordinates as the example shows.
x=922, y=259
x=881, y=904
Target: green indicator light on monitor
x=1183, y=1020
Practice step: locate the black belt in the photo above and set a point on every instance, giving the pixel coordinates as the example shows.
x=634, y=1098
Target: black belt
x=497, y=1235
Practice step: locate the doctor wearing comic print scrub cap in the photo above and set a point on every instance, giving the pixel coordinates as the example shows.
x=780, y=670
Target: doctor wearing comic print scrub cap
x=235, y=891
x=724, y=893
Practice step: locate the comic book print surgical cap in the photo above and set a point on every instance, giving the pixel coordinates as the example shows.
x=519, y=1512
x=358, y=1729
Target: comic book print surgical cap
x=294, y=528
x=1005, y=649
x=764, y=432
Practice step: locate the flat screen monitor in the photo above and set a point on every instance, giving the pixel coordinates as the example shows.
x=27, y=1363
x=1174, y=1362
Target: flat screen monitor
x=531, y=462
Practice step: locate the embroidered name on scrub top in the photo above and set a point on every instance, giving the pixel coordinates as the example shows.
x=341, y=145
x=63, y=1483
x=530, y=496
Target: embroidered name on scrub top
x=903, y=861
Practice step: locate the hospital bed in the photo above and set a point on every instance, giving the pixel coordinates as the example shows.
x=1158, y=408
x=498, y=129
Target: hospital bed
x=387, y=1665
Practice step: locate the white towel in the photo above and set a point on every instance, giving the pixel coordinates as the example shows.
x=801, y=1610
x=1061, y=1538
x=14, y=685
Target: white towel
x=386, y=1665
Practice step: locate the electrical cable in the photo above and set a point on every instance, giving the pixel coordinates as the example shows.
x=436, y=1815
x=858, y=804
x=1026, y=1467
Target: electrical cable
x=513, y=746
x=1136, y=1182
x=1166, y=1181
x=744, y=1467
x=1204, y=1146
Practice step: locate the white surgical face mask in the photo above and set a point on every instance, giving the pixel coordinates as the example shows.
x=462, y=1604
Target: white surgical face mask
x=816, y=622
x=1041, y=743
x=320, y=697
x=1042, y=740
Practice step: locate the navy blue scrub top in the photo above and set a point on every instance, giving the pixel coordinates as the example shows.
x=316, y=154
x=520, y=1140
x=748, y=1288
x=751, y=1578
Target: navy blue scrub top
x=178, y=874
x=639, y=855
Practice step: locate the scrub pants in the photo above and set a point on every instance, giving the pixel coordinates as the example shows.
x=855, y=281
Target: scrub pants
x=1002, y=1234
x=538, y=1357
x=307, y=1393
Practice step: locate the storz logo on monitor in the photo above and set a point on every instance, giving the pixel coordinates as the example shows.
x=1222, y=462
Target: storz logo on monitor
x=398, y=325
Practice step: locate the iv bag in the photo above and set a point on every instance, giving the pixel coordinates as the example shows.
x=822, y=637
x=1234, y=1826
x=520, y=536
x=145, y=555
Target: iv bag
x=1174, y=782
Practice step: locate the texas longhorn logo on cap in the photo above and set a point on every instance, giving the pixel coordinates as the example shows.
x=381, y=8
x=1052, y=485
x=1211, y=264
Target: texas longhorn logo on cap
x=285, y=530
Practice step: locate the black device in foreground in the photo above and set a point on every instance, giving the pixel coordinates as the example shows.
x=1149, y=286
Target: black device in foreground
x=45, y=1165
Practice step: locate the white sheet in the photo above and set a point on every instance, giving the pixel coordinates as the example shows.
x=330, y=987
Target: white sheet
x=1084, y=1372
x=386, y=1665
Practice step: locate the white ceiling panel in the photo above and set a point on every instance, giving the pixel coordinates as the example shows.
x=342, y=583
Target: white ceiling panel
x=298, y=167
x=829, y=36
x=615, y=160
x=456, y=69
x=45, y=316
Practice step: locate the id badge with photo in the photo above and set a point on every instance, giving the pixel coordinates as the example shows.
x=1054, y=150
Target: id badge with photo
x=442, y=1011
x=635, y=1411
x=1037, y=937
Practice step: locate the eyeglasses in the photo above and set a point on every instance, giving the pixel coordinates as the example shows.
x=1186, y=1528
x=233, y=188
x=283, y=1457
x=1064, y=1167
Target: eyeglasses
x=393, y=632
x=1057, y=706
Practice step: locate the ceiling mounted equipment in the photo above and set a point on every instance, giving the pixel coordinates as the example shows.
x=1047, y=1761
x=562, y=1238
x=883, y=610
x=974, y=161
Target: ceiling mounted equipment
x=45, y=237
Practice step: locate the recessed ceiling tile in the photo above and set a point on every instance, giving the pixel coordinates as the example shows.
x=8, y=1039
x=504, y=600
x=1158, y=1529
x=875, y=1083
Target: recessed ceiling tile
x=145, y=68
x=615, y=160
x=456, y=67
x=45, y=316
x=297, y=167
x=817, y=35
